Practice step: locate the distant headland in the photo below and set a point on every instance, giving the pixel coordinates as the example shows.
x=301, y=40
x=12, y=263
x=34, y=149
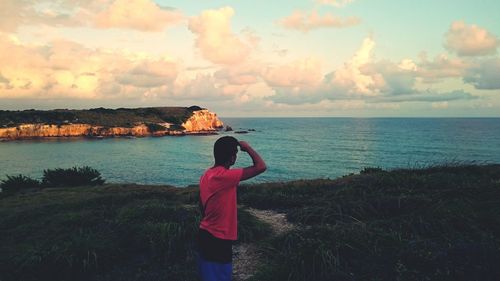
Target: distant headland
x=104, y=122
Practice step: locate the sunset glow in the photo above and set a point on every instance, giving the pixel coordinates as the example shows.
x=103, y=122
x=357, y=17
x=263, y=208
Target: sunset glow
x=254, y=58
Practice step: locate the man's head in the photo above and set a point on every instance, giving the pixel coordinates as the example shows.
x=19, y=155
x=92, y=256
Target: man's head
x=225, y=150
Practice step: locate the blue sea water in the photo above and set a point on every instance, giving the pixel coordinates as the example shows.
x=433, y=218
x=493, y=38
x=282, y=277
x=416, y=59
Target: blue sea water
x=293, y=148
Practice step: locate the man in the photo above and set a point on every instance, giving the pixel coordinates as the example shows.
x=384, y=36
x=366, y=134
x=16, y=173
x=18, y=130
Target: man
x=218, y=226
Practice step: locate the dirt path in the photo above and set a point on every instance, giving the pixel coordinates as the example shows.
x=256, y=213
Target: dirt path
x=245, y=256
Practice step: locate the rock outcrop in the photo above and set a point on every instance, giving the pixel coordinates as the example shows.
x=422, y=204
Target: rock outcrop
x=200, y=122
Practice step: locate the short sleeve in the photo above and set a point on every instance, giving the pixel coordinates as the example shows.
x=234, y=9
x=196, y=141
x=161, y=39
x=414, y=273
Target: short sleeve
x=233, y=177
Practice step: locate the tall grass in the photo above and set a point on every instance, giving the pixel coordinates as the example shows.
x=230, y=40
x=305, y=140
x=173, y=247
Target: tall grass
x=114, y=232
x=437, y=223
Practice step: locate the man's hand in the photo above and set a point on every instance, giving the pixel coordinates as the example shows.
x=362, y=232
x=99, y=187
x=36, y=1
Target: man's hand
x=259, y=166
x=244, y=146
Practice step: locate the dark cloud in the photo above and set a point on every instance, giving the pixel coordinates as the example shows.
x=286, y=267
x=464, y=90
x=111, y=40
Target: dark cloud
x=426, y=96
x=3, y=79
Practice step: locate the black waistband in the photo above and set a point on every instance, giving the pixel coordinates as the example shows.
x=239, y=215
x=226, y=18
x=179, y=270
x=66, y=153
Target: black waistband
x=214, y=249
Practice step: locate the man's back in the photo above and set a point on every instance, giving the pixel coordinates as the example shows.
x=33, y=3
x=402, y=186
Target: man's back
x=218, y=197
x=218, y=226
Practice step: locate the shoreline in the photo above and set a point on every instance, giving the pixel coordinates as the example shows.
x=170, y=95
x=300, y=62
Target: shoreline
x=100, y=137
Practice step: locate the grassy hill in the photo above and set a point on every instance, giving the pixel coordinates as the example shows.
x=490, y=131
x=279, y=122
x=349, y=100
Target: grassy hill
x=438, y=223
x=121, y=117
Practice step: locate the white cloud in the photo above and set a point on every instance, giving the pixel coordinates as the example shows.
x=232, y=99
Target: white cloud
x=336, y=3
x=352, y=79
x=407, y=64
x=239, y=75
x=209, y=87
x=14, y=13
x=470, y=40
x=66, y=70
x=143, y=15
x=301, y=73
x=215, y=39
x=149, y=74
x=439, y=105
x=485, y=75
x=441, y=67
x=202, y=87
x=304, y=22
x=375, y=82
x=10, y=16
x=391, y=78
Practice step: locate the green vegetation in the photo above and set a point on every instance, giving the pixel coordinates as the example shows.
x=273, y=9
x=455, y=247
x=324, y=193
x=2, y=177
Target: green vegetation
x=76, y=176
x=121, y=117
x=153, y=127
x=17, y=183
x=112, y=232
x=437, y=223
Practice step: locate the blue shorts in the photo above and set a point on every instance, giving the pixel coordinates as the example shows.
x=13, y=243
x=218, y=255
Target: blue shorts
x=214, y=257
x=214, y=271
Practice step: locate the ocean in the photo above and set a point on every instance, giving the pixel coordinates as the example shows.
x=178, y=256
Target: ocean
x=293, y=148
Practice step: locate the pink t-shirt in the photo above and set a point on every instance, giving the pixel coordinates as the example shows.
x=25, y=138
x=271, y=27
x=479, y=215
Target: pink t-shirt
x=218, y=186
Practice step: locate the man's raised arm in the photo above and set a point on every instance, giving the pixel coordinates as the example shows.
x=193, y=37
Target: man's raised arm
x=259, y=166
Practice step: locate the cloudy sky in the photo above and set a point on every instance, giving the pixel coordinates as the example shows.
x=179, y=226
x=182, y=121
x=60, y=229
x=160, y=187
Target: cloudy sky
x=356, y=58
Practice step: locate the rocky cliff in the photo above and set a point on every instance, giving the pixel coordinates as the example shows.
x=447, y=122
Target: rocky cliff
x=200, y=122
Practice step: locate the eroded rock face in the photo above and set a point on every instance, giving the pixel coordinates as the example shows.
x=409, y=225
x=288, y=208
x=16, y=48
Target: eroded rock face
x=202, y=121
x=41, y=130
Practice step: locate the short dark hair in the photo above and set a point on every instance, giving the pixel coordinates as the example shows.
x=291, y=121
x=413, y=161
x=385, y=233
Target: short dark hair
x=225, y=148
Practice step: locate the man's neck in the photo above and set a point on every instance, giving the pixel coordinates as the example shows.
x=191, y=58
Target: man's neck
x=227, y=166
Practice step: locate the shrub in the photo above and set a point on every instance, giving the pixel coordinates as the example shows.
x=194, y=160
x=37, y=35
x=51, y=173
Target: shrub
x=176, y=127
x=153, y=127
x=371, y=170
x=194, y=108
x=15, y=183
x=76, y=176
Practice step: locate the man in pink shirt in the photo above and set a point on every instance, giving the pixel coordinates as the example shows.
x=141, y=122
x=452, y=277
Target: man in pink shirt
x=218, y=226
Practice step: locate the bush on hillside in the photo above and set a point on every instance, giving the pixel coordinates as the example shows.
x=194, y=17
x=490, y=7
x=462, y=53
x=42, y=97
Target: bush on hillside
x=153, y=127
x=194, y=108
x=176, y=127
x=371, y=170
x=19, y=182
x=76, y=176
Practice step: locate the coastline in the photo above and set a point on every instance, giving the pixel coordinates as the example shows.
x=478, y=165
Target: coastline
x=140, y=122
x=99, y=137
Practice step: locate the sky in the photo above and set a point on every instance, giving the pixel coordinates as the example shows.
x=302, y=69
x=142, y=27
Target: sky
x=282, y=58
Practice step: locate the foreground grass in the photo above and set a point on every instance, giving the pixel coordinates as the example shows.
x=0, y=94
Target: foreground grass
x=114, y=232
x=439, y=223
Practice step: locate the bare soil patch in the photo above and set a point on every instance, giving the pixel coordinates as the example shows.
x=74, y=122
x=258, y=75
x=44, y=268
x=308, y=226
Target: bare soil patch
x=246, y=258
